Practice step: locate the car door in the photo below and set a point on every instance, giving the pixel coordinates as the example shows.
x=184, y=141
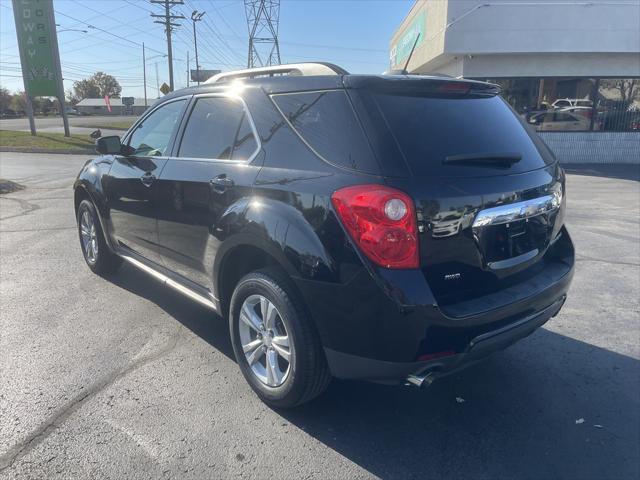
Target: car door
x=213, y=166
x=130, y=185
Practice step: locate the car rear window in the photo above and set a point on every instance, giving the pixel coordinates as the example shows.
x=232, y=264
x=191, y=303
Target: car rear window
x=326, y=121
x=429, y=130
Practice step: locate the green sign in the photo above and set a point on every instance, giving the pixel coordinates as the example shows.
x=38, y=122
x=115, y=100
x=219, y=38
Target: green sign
x=35, y=28
x=401, y=50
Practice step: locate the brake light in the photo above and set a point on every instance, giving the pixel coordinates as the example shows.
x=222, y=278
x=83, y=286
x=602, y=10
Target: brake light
x=461, y=88
x=382, y=222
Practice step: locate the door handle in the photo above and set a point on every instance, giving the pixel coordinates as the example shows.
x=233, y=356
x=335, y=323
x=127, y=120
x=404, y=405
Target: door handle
x=221, y=183
x=147, y=179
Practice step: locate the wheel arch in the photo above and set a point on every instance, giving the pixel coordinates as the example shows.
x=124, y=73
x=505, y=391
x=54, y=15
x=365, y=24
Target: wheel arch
x=237, y=261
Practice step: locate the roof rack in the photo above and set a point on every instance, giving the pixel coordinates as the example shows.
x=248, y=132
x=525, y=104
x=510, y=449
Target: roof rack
x=294, y=69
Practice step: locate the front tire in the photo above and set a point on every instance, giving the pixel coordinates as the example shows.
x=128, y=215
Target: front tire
x=99, y=258
x=274, y=341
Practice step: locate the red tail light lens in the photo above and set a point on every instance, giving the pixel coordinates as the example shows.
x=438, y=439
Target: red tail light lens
x=382, y=222
x=461, y=88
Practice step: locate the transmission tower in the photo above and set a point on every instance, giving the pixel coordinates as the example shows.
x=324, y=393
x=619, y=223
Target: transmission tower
x=262, y=22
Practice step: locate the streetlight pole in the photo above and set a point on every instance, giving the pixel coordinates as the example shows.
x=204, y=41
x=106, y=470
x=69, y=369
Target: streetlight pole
x=196, y=17
x=157, y=81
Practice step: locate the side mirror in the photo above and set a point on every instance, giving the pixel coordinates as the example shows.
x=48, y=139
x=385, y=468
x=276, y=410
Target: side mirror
x=109, y=145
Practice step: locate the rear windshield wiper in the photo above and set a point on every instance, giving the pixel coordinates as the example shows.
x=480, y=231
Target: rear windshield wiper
x=484, y=159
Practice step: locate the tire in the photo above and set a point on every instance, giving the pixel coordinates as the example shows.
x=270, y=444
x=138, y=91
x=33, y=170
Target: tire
x=97, y=254
x=307, y=374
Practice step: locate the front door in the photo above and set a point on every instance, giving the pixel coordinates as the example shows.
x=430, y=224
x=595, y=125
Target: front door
x=213, y=169
x=131, y=187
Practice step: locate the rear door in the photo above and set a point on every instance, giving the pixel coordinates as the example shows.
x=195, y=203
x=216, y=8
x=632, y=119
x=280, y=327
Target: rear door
x=131, y=183
x=213, y=166
x=487, y=192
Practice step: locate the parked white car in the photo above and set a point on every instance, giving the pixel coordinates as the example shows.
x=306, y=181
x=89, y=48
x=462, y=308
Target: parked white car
x=571, y=102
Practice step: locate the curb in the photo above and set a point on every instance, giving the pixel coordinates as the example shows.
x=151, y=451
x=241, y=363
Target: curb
x=45, y=150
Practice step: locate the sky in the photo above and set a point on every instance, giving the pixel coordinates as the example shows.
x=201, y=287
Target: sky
x=354, y=34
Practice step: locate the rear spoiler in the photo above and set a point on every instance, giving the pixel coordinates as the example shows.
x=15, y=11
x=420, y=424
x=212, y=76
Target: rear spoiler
x=423, y=85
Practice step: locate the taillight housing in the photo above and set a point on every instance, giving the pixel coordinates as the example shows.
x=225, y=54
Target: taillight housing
x=382, y=222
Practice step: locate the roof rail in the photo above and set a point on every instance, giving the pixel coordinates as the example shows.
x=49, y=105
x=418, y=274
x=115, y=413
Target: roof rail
x=299, y=69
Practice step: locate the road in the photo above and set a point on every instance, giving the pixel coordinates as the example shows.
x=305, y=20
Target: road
x=122, y=378
x=78, y=125
x=49, y=123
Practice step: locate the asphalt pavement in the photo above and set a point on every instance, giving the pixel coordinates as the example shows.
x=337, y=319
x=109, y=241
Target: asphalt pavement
x=47, y=123
x=77, y=124
x=122, y=378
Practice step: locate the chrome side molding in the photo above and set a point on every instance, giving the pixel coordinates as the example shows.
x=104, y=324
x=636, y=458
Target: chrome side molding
x=193, y=295
x=518, y=211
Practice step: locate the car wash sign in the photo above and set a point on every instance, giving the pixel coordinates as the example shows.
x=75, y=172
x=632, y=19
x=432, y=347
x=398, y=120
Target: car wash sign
x=401, y=50
x=35, y=27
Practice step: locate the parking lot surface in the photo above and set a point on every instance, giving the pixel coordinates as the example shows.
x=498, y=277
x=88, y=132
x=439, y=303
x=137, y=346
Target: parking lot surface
x=122, y=378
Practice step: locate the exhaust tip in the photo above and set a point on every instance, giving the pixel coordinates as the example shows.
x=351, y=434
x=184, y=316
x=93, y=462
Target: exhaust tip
x=422, y=380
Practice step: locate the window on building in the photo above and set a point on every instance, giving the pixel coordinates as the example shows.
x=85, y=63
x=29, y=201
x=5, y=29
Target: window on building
x=587, y=104
x=218, y=128
x=618, y=104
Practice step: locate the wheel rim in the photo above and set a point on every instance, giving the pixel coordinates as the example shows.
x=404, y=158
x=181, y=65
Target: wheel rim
x=88, y=236
x=265, y=340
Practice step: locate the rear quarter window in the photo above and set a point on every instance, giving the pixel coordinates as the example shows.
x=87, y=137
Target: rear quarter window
x=430, y=129
x=325, y=120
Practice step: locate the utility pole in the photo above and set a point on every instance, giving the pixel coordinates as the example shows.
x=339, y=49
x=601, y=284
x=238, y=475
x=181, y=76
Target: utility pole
x=167, y=20
x=196, y=17
x=188, y=67
x=144, y=74
x=262, y=22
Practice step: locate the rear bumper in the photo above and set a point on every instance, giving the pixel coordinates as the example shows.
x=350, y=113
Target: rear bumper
x=388, y=325
x=347, y=366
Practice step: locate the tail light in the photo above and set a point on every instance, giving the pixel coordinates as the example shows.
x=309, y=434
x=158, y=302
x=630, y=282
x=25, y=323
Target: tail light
x=461, y=88
x=382, y=222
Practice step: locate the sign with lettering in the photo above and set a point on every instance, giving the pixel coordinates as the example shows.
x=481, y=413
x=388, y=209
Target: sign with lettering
x=401, y=50
x=35, y=28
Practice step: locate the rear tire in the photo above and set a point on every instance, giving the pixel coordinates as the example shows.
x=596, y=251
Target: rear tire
x=99, y=258
x=270, y=329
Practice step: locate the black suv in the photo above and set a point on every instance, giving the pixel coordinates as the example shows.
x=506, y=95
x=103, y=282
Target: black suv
x=392, y=228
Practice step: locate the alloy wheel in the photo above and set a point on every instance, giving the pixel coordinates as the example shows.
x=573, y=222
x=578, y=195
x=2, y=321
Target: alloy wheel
x=89, y=236
x=265, y=340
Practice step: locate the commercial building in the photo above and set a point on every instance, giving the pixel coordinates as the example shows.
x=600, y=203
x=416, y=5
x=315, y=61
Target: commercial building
x=97, y=106
x=571, y=69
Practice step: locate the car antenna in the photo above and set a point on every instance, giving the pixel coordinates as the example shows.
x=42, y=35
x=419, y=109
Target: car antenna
x=404, y=70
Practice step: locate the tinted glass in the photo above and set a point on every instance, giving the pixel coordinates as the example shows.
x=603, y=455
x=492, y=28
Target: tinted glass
x=152, y=136
x=429, y=130
x=218, y=128
x=326, y=121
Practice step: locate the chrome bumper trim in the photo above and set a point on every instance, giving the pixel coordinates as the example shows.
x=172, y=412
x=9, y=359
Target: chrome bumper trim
x=517, y=211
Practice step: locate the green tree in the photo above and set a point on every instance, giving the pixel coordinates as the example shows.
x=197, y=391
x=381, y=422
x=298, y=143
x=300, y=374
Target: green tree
x=5, y=99
x=18, y=103
x=96, y=86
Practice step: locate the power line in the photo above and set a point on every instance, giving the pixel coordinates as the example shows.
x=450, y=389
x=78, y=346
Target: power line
x=104, y=31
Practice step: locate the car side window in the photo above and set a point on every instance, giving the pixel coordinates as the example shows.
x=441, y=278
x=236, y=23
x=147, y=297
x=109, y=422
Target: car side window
x=151, y=137
x=327, y=123
x=218, y=128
